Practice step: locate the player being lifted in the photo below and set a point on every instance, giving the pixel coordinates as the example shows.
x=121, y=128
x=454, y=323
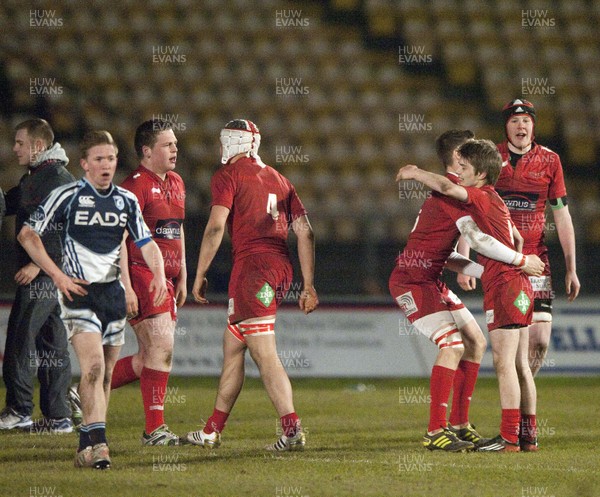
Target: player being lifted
x=532, y=175
x=161, y=194
x=259, y=206
x=94, y=215
x=438, y=313
x=507, y=290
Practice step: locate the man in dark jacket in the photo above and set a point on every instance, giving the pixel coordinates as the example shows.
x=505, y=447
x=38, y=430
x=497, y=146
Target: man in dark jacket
x=36, y=337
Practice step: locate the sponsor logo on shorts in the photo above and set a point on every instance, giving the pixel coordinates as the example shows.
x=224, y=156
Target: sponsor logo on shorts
x=522, y=302
x=230, y=308
x=86, y=201
x=266, y=295
x=489, y=316
x=540, y=283
x=407, y=303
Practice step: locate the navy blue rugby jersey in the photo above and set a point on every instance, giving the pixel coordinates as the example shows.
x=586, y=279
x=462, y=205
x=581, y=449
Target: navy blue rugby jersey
x=91, y=226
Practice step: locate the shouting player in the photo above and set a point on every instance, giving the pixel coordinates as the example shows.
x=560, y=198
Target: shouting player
x=435, y=311
x=259, y=206
x=507, y=290
x=95, y=215
x=161, y=195
x=531, y=176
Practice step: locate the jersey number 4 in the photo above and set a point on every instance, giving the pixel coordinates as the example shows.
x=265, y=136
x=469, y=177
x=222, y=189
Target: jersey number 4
x=272, y=206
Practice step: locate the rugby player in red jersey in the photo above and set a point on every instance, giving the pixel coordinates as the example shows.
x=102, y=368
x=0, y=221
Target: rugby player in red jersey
x=507, y=291
x=258, y=206
x=161, y=195
x=532, y=175
x=435, y=311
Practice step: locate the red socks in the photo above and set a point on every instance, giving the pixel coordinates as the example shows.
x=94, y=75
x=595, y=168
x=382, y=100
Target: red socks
x=509, y=426
x=528, y=426
x=123, y=373
x=439, y=388
x=464, y=384
x=290, y=424
x=153, y=384
x=216, y=422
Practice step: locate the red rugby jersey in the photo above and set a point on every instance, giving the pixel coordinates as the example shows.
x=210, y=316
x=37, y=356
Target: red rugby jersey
x=490, y=213
x=163, y=207
x=262, y=203
x=538, y=177
x=431, y=240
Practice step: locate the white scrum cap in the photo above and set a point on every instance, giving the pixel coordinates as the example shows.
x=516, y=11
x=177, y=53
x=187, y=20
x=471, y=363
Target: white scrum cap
x=237, y=137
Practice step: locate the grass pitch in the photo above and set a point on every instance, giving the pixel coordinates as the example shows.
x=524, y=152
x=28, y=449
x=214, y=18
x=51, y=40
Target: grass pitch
x=364, y=438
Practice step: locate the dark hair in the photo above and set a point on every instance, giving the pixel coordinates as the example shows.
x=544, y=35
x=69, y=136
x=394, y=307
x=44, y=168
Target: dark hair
x=38, y=129
x=93, y=138
x=146, y=134
x=449, y=141
x=484, y=157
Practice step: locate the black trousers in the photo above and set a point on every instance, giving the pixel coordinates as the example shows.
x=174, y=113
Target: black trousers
x=36, y=339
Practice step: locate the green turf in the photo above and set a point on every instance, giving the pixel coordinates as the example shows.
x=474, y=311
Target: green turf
x=361, y=441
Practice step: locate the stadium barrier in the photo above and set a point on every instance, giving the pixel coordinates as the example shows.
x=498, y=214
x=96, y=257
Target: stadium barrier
x=359, y=341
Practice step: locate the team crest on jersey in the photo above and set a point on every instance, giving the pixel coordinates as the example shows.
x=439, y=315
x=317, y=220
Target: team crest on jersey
x=407, y=303
x=119, y=202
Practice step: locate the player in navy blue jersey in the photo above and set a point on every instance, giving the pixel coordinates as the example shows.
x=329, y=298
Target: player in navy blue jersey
x=92, y=216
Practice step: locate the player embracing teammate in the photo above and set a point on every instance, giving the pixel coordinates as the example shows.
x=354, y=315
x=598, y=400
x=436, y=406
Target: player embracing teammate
x=508, y=294
x=436, y=312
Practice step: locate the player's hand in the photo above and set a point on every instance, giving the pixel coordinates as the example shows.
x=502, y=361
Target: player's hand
x=308, y=300
x=572, y=285
x=68, y=286
x=180, y=292
x=158, y=285
x=533, y=265
x=27, y=274
x=467, y=283
x=131, y=303
x=407, y=172
x=199, y=290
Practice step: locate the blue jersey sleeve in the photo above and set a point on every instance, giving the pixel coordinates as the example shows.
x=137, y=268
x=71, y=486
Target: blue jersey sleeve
x=50, y=214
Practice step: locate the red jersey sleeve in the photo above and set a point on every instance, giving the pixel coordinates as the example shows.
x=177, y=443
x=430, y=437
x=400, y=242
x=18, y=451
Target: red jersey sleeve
x=557, y=185
x=453, y=208
x=478, y=201
x=136, y=187
x=222, y=188
x=296, y=206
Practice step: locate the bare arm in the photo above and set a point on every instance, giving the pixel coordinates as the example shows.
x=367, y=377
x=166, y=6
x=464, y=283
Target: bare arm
x=519, y=240
x=32, y=243
x=566, y=236
x=181, y=283
x=306, y=253
x=434, y=181
x=211, y=241
x=466, y=282
x=154, y=259
x=131, y=300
